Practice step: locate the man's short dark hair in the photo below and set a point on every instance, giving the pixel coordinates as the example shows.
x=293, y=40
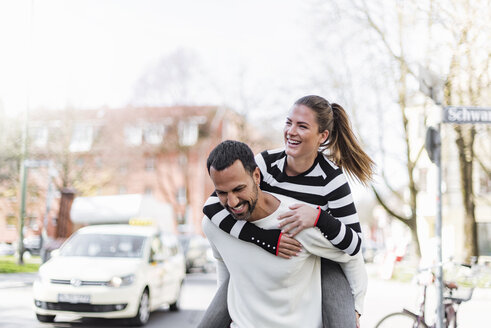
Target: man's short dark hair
x=227, y=152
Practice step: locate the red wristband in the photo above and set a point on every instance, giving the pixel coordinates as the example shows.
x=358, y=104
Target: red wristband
x=318, y=215
x=278, y=244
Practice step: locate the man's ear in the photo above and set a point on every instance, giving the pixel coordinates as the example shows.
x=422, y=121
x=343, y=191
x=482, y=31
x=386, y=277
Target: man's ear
x=256, y=175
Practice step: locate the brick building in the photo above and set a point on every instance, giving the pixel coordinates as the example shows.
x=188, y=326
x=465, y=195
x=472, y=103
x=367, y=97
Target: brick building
x=160, y=151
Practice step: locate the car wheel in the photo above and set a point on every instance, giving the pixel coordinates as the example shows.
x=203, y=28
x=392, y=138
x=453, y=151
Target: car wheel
x=143, y=314
x=177, y=304
x=45, y=318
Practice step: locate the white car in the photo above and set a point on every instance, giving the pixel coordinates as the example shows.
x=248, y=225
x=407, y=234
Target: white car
x=111, y=271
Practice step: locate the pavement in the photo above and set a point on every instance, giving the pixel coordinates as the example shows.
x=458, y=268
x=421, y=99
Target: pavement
x=383, y=297
x=13, y=280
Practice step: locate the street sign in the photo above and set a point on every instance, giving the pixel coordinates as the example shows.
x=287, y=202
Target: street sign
x=461, y=114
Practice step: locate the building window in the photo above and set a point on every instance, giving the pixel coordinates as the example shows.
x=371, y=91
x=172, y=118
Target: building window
x=31, y=222
x=123, y=168
x=133, y=135
x=39, y=136
x=148, y=191
x=80, y=162
x=423, y=179
x=98, y=162
x=11, y=221
x=484, y=182
x=181, y=195
x=82, y=137
x=484, y=238
x=188, y=133
x=122, y=190
x=150, y=164
x=154, y=133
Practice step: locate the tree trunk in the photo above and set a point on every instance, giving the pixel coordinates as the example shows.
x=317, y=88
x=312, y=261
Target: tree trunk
x=466, y=154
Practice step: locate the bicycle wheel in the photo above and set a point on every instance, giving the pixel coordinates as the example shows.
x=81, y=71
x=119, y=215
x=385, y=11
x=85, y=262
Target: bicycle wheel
x=400, y=320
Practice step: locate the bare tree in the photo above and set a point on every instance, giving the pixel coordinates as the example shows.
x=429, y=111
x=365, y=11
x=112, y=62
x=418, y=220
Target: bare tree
x=177, y=78
x=468, y=83
x=455, y=27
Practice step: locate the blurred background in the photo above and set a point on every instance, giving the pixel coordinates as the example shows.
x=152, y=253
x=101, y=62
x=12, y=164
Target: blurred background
x=115, y=97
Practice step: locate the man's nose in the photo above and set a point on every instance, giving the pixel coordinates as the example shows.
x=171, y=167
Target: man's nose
x=232, y=200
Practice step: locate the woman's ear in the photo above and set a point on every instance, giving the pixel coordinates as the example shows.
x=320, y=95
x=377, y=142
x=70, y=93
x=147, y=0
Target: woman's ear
x=323, y=137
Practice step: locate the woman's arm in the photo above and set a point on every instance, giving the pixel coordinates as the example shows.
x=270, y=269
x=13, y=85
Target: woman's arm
x=246, y=231
x=338, y=220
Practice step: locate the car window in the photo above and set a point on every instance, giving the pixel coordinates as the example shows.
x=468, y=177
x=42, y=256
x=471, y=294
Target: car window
x=156, y=251
x=171, y=245
x=104, y=245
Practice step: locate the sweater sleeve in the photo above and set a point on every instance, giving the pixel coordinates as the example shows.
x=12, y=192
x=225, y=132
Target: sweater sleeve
x=340, y=223
x=267, y=239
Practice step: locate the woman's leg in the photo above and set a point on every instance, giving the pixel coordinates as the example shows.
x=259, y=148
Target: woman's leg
x=338, y=305
x=216, y=315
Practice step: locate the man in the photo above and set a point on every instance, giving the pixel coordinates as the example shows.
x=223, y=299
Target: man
x=264, y=290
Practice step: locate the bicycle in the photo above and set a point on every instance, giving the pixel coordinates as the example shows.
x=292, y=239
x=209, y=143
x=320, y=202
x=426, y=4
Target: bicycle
x=407, y=318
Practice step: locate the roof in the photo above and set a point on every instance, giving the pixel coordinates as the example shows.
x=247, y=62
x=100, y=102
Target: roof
x=119, y=229
x=122, y=209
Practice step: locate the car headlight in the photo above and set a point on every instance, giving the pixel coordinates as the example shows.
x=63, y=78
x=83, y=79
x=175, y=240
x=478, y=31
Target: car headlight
x=122, y=281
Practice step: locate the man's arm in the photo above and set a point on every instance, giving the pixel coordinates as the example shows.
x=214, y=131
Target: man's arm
x=353, y=266
x=222, y=271
x=216, y=315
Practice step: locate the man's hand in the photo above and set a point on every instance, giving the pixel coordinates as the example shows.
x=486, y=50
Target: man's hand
x=300, y=217
x=288, y=247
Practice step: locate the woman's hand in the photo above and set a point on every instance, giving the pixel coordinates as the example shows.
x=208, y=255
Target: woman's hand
x=300, y=217
x=288, y=247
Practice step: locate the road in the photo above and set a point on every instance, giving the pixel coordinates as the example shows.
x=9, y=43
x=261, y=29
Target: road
x=382, y=298
x=198, y=290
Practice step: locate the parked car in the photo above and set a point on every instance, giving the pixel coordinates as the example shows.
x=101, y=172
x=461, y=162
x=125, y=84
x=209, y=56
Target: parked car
x=7, y=249
x=32, y=244
x=111, y=271
x=197, y=251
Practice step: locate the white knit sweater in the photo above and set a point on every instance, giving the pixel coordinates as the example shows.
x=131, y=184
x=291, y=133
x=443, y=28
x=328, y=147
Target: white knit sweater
x=269, y=291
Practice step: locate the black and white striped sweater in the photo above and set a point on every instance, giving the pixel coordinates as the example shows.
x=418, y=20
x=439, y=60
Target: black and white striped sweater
x=323, y=185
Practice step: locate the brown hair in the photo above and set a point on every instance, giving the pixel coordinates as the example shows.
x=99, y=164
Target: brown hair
x=342, y=145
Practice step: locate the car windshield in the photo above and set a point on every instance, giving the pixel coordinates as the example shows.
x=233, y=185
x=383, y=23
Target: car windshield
x=104, y=245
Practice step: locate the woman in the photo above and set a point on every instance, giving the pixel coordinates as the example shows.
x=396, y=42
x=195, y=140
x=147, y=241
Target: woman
x=319, y=143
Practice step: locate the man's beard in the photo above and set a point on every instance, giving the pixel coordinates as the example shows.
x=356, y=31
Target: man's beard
x=251, y=205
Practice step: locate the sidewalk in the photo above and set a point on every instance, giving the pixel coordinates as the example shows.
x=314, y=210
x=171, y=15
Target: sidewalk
x=12, y=280
x=386, y=296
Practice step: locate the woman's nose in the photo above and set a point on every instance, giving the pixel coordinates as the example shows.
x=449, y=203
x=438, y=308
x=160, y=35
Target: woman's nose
x=291, y=130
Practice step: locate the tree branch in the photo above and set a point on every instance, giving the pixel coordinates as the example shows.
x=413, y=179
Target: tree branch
x=386, y=207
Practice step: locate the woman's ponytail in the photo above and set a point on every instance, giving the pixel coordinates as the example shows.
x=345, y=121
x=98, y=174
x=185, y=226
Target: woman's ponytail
x=341, y=146
x=345, y=150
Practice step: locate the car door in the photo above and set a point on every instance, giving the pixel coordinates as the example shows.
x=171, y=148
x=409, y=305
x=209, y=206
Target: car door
x=174, y=266
x=156, y=272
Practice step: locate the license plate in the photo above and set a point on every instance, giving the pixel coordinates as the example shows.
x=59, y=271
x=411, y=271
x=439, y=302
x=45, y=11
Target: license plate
x=74, y=298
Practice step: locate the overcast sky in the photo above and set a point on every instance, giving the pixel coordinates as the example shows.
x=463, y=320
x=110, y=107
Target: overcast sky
x=91, y=53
